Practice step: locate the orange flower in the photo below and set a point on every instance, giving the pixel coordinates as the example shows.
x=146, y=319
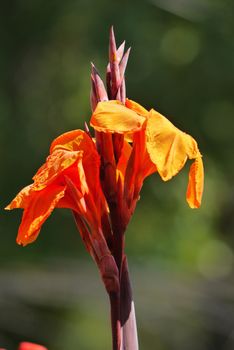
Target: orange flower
x=68, y=179
x=159, y=145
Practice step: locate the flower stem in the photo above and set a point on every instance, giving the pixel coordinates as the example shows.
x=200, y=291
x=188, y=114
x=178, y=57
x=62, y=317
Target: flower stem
x=115, y=320
x=129, y=339
x=127, y=311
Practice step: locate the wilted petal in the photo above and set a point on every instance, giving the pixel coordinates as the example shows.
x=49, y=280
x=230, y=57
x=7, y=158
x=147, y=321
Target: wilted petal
x=196, y=183
x=113, y=116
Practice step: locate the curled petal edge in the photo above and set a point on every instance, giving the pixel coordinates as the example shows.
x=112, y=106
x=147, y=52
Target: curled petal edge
x=196, y=183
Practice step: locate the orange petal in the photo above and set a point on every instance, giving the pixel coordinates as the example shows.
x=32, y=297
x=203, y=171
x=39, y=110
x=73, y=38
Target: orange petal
x=112, y=116
x=79, y=141
x=196, y=183
x=38, y=208
x=21, y=200
x=168, y=147
x=75, y=140
x=55, y=165
x=139, y=166
x=123, y=160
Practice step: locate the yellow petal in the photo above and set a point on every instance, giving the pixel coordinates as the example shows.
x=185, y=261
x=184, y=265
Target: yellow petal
x=196, y=183
x=136, y=107
x=112, y=116
x=168, y=147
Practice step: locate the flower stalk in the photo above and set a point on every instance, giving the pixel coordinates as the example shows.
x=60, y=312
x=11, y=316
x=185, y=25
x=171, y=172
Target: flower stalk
x=110, y=148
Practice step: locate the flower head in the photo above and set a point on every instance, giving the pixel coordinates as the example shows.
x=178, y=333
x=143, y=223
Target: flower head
x=93, y=176
x=167, y=147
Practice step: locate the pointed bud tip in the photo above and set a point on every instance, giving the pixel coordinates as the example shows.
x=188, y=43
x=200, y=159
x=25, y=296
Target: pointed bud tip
x=121, y=47
x=94, y=69
x=86, y=127
x=112, y=42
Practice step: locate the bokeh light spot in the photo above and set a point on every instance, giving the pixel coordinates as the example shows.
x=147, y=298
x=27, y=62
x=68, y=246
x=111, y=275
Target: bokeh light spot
x=180, y=46
x=215, y=260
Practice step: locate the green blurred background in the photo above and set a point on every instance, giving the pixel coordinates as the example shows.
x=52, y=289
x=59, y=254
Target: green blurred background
x=181, y=260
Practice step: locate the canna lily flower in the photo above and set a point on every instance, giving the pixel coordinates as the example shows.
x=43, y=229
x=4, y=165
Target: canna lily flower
x=161, y=146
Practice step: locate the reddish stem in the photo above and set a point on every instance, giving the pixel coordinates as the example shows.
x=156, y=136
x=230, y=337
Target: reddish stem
x=115, y=301
x=127, y=311
x=124, y=332
x=115, y=320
